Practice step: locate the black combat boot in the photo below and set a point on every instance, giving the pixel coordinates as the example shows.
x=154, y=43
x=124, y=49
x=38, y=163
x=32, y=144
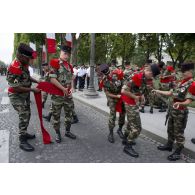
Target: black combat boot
x=69, y=134
x=128, y=149
x=48, y=117
x=162, y=108
x=58, y=136
x=176, y=155
x=24, y=145
x=142, y=109
x=74, y=119
x=167, y=147
x=151, y=110
x=111, y=136
x=119, y=131
x=29, y=136
x=193, y=140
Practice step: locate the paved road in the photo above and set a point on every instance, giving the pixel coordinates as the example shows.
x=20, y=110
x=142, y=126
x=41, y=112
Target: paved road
x=91, y=144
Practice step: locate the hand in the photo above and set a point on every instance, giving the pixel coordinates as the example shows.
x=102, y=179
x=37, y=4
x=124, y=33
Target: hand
x=36, y=90
x=65, y=91
x=118, y=96
x=154, y=91
x=137, y=98
x=176, y=105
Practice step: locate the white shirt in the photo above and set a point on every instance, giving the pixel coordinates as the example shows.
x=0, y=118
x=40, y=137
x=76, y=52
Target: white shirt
x=81, y=72
x=75, y=71
x=88, y=71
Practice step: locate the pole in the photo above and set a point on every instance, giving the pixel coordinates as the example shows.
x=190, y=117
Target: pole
x=91, y=92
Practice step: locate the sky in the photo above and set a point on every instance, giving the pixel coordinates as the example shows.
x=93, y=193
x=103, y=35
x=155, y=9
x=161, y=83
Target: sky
x=6, y=47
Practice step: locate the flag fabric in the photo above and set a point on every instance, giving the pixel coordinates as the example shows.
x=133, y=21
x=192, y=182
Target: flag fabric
x=33, y=46
x=51, y=42
x=44, y=54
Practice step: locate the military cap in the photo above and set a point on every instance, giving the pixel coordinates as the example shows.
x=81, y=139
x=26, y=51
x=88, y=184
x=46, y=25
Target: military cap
x=104, y=68
x=66, y=49
x=161, y=64
x=25, y=50
x=155, y=70
x=187, y=66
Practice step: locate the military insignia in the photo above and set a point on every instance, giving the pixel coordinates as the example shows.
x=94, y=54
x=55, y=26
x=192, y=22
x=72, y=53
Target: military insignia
x=15, y=81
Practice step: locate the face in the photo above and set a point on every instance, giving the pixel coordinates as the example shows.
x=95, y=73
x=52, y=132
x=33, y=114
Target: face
x=23, y=59
x=64, y=56
x=187, y=74
x=148, y=73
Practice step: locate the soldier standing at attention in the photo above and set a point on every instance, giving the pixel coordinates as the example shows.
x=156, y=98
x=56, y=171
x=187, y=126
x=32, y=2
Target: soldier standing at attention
x=20, y=81
x=131, y=94
x=183, y=94
x=112, y=84
x=61, y=76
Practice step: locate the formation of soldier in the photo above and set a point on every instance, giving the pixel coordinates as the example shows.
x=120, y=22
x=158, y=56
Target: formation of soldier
x=126, y=91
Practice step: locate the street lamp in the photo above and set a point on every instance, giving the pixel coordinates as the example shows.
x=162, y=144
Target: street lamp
x=91, y=92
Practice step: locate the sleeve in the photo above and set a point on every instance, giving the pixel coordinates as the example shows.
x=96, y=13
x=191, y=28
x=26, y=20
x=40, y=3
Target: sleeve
x=13, y=80
x=53, y=73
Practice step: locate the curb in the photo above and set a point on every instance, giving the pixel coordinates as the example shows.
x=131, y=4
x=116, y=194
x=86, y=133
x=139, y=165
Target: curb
x=161, y=140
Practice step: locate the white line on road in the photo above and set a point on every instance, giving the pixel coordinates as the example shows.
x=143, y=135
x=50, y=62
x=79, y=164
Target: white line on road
x=4, y=146
x=5, y=100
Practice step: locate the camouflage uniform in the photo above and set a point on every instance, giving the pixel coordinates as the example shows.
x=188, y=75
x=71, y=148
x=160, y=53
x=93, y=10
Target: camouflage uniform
x=137, y=86
x=20, y=101
x=114, y=87
x=178, y=117
x=64, y=76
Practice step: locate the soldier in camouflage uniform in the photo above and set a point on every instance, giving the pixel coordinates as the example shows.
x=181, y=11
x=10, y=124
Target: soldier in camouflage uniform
x=113, y=65
x=183, y=94
x=61, y=76
x=20, y=81
x=112, y=84
x=131, y=94
x=166, y=80
x=128, y=72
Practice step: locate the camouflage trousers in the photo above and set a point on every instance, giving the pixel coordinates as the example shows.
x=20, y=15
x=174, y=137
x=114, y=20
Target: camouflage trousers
x=176, y=125
x=57, y=104
x=21, y=103
x=150, y=97
x=44, y=97
x=112, y=117
x=133, y=127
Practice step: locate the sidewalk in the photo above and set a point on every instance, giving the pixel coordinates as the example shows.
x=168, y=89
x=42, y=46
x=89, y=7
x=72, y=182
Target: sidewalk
x=152, y=124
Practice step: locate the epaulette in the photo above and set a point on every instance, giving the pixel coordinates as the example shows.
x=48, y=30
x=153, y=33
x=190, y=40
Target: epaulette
x=14, y=68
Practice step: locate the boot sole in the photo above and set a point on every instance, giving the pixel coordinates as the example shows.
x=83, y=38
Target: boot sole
x=31, y=150
x=135, y=156
x=169, y=150
x=70, y=137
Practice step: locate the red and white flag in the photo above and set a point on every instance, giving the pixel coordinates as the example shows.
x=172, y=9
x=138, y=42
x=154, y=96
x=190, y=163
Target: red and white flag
x=51, y=42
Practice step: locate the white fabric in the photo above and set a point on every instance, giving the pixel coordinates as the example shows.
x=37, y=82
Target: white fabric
x=81, y=72
x=88, y=71
x=75, y=71
x=30, y=70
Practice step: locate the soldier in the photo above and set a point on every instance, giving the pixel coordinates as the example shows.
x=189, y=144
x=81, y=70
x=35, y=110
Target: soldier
x=131, y=94
x=61, y=76
x=113, y=65
x=112, y=84
x=46, y=78
x=19, y=80
x=128, y=72
x=166, y=79
x=183, y=94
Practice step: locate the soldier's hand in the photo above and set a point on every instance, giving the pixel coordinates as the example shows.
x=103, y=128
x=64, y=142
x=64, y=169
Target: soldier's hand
x=36, y=90
x=65, y=91
x=154, y=91
x=176, y=105
x=118, y=96
x=137, y=98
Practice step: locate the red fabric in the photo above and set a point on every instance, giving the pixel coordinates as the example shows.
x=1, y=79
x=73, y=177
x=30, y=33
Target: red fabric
x=34, y=55
x=167, y=79
x=192, y=89
x=101, y=84
x=14, y=68
x=185, y=80
x=51, y=45
x=67, y=65
x=54, y=63
x=128, y=100
x=119, y=73
x=137, y=79
x=45, y=134
x=69, y=43
x=119, y=105
x=170, y=68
